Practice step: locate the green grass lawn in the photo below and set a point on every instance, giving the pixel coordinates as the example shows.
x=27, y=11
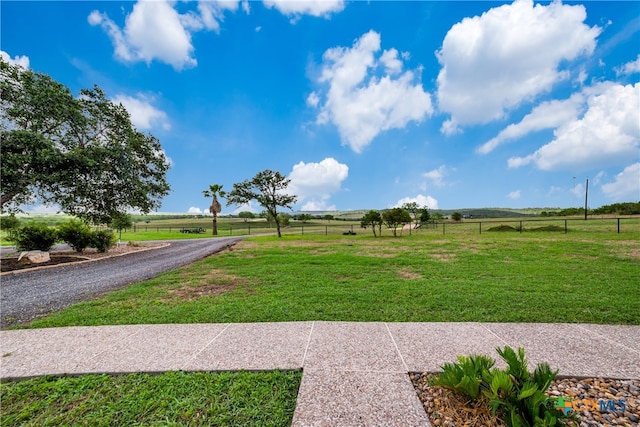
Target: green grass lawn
x=172, y=398
x=493, y=277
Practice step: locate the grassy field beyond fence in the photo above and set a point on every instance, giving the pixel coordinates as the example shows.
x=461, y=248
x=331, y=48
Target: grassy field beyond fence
x=172, y=228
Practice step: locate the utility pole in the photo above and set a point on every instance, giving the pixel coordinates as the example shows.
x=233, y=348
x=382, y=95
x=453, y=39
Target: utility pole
x=586, y=199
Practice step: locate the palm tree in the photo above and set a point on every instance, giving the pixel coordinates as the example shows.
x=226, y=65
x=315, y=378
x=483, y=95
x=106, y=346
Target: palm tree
x=214, y=191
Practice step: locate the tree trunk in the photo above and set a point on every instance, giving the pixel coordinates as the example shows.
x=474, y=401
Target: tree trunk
x=214, y=231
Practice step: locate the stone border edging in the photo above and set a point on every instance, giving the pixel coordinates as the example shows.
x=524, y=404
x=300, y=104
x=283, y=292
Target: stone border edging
x=45, y=267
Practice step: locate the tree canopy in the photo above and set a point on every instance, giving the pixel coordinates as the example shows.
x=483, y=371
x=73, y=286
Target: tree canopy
x=425, y=214
x=304, y=217
x=246, y=215
x=82, y=153
x=413, y=209
x=267, y=188
x=394, y=218
x=121, y=221
x=372, y=219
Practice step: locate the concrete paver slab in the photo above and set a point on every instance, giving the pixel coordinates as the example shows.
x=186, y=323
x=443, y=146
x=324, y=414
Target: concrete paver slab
x=154, y=348
x=425, y=347
x=255, y=346
x=332, y=398
x=352, y=346
x=626, y=335
x=568, y=348
x=55, y=351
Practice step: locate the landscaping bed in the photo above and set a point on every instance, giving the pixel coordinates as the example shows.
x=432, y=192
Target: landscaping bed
x=447, y=408
x=11, y=263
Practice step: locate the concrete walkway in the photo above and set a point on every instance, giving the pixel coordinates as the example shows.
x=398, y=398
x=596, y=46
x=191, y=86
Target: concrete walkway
x=354, y=373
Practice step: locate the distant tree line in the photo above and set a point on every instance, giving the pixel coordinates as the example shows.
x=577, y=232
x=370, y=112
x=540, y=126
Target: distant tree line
x=626, y=208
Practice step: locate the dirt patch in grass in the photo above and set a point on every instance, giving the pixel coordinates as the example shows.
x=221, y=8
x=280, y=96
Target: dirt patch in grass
x=286, y=244
x=625, y=249
x=246, y=244
x=323, y=251
x=214, y=283
x=372, y=249
x=409, y=275
x=443, y=257
x=380, y=255
x=189, y=293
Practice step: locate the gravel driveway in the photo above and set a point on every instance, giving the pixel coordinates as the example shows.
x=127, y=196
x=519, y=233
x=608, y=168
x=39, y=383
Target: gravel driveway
x=27, y=295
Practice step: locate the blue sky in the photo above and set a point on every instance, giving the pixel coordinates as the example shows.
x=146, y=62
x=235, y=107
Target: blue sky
x=363, y=105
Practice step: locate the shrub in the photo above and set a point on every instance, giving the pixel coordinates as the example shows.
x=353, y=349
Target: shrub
x=11, y=225
x=36, y=237
x=515, y=394
x=103, y=240
x=76, y=233
x=549, y=228
x=503, y=228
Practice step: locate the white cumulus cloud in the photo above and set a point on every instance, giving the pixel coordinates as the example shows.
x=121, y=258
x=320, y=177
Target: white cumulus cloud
x=578, y=190
x=547, y=115
x=626, y=186
x=630, y=67
x=436, y=176
x=22, y=61
x=154, y=30
x=212, y=13
x=194, y=210
x=367, y=93
x=248, y=207
x=316, y=182
x=297, y=8
x=420, y=200
x=608, y=133
x=313, y=100
x=510, y=54
x=514, y=195
x=143, y=114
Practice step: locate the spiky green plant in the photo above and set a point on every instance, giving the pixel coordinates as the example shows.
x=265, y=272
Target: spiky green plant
x=517, y=395
x=465, y=376
x=521, y=396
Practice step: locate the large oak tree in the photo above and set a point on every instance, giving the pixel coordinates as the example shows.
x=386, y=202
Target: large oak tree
x=82, y=153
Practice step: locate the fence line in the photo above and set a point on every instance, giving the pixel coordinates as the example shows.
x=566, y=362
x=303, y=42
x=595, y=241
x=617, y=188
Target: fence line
x=611, y=225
